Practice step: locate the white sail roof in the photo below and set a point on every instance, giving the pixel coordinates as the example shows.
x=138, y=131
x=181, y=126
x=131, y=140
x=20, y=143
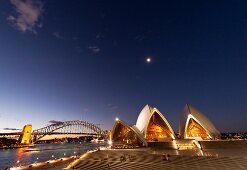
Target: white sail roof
x=191, y=112
x=133, y=128
x=144, y=118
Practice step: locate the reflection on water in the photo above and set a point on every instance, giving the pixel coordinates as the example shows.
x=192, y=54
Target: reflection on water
x=43, y=152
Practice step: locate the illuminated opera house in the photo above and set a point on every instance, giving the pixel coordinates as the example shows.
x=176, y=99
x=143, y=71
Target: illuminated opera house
x=195, y=125
x=152, y=127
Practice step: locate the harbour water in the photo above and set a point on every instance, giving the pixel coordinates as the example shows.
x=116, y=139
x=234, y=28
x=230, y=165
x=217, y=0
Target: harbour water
x=43, y=152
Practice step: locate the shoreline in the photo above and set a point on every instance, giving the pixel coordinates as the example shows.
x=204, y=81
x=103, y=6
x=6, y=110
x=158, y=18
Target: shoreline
x=52, y=163
x=103, y=157
x=47, y=164
x=15, y=146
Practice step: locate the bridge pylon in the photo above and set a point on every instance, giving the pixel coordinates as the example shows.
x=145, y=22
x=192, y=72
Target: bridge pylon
x=25, y=138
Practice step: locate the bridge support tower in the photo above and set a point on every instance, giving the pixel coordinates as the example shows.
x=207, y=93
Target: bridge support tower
x=25, y=138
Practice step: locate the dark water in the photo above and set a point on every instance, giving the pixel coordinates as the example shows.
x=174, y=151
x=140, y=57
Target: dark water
x=43, y=152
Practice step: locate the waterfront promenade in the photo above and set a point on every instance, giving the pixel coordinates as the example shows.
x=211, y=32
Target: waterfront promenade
x=50, y=164
x=145, y=160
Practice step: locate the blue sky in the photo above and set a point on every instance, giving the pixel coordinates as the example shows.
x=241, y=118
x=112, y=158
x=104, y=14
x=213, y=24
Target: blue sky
x=68, y=60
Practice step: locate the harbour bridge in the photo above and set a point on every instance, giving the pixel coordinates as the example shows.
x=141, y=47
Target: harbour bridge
x=75, y=128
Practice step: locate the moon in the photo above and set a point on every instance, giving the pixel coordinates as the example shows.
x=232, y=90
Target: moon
x=148, y=60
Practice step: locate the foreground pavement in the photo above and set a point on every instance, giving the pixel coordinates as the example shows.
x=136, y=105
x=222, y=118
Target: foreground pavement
x=143, y=160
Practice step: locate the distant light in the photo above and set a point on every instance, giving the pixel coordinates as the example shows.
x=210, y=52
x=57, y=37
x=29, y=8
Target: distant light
x=52, y=156
x=110, y=142
x=116, y=119
x=148, y=60
x=37, y=158
x=18, y=161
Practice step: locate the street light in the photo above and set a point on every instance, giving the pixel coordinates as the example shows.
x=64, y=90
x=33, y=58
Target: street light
x=17, y=162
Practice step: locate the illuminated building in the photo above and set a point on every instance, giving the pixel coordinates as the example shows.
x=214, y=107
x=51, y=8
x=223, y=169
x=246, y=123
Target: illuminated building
x=123, y=134
x=153, y=129
x=109, y=134
x=153, y=125
x=195, y=125
x=25, y=137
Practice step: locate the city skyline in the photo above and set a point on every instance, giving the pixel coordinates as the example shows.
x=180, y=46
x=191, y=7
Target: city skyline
x=96, y=60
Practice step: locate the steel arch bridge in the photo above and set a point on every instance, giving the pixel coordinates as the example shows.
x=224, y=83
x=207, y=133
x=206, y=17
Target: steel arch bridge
x=69, y=127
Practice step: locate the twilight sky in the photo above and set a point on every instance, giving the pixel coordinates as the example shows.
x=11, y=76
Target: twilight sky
x=73, y=59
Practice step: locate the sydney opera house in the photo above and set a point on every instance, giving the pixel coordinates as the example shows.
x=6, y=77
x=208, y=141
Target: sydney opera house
x=152, y=127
